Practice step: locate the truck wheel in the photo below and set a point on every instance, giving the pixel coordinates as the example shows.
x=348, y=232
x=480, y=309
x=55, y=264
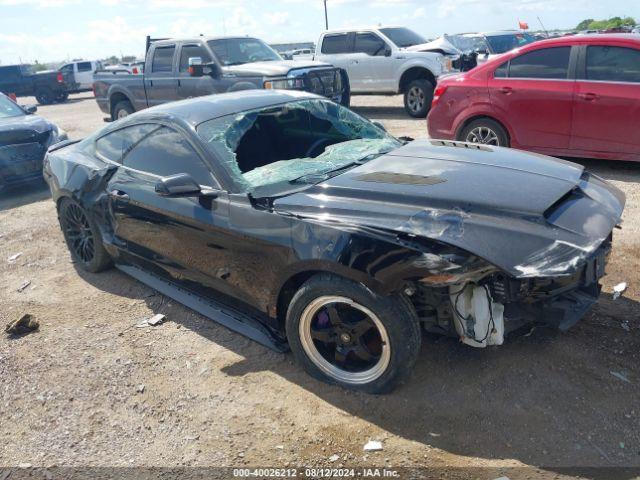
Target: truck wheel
x=62, y=97
x=45, y=96
x=343, y=333
x=82, y=236
x=121, y=110
x=486, y=132
x=418, y=97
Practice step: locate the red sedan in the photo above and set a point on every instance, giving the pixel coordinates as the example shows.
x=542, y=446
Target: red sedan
x=575, y=96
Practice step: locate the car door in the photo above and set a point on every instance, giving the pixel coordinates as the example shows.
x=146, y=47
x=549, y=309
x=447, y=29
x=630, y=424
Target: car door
x=84, y=74
x=371, y=63
x=161, y=83
x=11, y=79
x=607, y=103
x=337, y=49
x=189, y=86
x=534, y=92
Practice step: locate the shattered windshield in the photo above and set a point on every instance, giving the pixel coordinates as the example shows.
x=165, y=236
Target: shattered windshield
x=300, y=142
x=466, y=43
x=237, y=51
x=8, y=108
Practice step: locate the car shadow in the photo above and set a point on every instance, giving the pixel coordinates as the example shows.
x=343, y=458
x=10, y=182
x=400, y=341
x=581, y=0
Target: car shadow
x=18, y=196
x=615, y=170
x=552, y=400
x=384, y=113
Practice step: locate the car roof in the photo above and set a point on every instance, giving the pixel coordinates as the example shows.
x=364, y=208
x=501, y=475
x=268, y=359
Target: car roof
x=200, y=39
x=194, y=111
x=588, y=38
x=362, y=27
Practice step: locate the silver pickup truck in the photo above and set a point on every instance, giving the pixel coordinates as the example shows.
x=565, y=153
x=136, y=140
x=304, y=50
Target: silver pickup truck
x=179, y=69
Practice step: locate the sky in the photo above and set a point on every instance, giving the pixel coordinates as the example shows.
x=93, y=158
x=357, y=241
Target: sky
x=56, y=30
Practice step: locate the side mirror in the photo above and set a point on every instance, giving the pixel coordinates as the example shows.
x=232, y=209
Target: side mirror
x=379, y=125
x=180, y=185
x=30, y=109
x=213, y=70
x=387, y=51
x=482, y=51
x=195, y=66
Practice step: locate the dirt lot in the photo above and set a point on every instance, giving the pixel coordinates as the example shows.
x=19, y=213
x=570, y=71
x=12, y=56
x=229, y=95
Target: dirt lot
x=90, y=389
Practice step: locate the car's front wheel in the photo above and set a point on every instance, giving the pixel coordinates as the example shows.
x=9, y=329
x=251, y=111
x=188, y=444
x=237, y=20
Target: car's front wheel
x=82, y=236
x=45, y=96
x=121, y=110
x=343, y=333
x=417, y=98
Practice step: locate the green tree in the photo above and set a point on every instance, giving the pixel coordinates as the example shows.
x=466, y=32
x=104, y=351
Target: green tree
x=39, y=67
x=613, y=22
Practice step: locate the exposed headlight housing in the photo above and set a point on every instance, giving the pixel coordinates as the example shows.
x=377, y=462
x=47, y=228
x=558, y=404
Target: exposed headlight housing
x=294, y=83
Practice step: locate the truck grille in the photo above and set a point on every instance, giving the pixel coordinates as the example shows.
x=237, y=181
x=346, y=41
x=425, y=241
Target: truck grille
x=327, y=83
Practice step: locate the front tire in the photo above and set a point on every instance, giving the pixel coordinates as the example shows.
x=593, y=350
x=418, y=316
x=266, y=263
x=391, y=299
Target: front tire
x=343, y=333
x=82, y=236
x=486, y=132
x=122, y=109
x=418, y=97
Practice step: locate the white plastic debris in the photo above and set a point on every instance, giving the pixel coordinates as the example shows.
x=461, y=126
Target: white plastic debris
x=24, y=286
x=620, y=376
x=152, y=322
x=13, y=258
x=619, y=289
x=373, y=446
x=478, y=319
x=335, y=457
x=141, y=388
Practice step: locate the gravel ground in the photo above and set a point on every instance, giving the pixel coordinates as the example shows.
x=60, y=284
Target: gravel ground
x=90, y=389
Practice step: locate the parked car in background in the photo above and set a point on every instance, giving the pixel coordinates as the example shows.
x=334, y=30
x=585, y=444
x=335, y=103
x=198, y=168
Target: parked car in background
x=24, y=139
x=302, y=54
x=23, y=81
x=176, y=69
x=490, y=44
x=387, y=61
x=80, y=75
x=576, y=96
x=300, y=224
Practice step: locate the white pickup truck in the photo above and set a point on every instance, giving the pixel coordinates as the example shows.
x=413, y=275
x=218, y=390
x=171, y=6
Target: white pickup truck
x=388, y=61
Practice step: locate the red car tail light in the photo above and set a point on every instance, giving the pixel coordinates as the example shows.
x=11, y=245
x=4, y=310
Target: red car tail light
x=437, y=93
x=60, y=78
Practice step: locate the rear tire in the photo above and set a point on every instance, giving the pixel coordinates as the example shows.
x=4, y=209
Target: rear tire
x=82, y=236
x=122, y=109
x=343, y=333
x=417, y=98
x=484, y=131
x=62, y=97
x=45, y=96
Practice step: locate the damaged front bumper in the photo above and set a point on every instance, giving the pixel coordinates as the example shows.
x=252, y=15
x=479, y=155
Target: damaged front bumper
x=332, y=83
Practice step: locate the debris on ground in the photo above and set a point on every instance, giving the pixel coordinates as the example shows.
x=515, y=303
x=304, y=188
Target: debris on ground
x=152, y=322
x=373, y=446
x=619, y=289
x=24, y=285
x=620, y=376
x=13, y=258
x=141, y=388
x=25, y=324
x=625, y=326
x=334, y=458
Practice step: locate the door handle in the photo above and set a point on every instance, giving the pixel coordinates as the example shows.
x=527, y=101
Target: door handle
x=119, y=195
x=354, y=61
x=589, y=96
x=506, y=90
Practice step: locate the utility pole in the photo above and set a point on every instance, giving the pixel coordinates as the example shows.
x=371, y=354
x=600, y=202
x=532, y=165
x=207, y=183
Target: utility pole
x=326, y=18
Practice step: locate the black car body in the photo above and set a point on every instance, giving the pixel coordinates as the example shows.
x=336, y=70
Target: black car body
x=24, y=139
x=23, y=81
x=300, y=201
x=228, y=64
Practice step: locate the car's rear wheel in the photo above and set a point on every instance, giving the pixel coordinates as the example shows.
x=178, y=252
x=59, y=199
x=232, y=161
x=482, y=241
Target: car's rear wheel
x=62, y=97
x=45, y=96
x=486, y=132
x=343, y=333
x=82, y=236
x=418, y=97
x=122, y=109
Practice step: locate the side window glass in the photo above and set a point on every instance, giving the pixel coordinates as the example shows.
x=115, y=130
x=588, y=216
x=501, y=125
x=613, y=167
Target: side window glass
x=115, y=145
x=370, y=44
x=613, y=64
x=84, y=66
x=166, y=152
x=163, y=59
x=189, y=51
x=335, y=44
x=502, y=70
x=549, y=63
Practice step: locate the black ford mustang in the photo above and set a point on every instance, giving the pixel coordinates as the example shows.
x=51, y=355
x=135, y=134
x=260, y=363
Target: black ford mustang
x=300, y=224
x=24, y=139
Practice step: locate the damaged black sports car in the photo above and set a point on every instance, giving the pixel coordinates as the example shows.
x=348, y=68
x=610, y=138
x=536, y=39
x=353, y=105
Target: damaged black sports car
x=24, y=139
x=297, y=222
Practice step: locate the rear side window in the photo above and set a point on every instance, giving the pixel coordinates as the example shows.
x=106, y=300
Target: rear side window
x=370, y=44
x=335, y=44
x=84, y=66
x=163, y=59
x=613, y=64
x=166, y=152
x=115, y=145
x=548, y=63
x=189, y=51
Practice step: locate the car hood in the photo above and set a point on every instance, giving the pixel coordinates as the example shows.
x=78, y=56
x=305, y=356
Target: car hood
x=439, y=45
x=528, y=214
x=272, y=69
x=22, y=129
